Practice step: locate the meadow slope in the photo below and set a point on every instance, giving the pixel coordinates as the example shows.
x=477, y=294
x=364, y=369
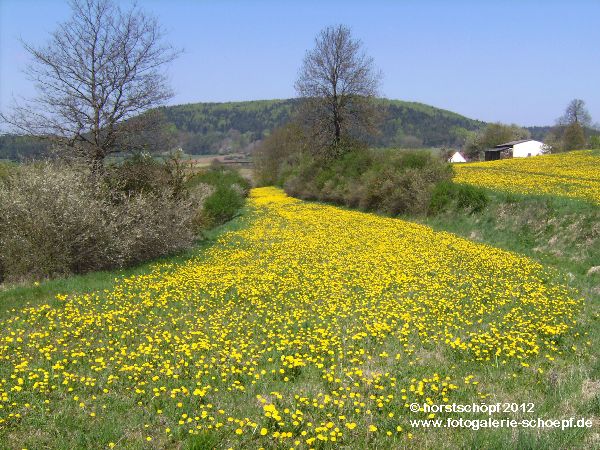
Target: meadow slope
x=307, y=326
x=574, y=175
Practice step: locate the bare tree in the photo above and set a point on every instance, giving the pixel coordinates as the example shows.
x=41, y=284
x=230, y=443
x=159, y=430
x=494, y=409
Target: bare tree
x=338, y=83
x=96, y=77
x=576, y=112
x=570, y=130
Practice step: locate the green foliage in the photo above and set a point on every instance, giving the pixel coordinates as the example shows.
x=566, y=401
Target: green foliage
x=573, y=137
x=562, y=137
x=493, y=134
x=448, y=195
x=226, y=196
x=223, y=204
x=390, y=182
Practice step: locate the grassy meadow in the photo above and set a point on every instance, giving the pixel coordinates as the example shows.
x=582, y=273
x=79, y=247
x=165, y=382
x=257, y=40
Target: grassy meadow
x=301, y=325
x=573, y=175
x=309, y=273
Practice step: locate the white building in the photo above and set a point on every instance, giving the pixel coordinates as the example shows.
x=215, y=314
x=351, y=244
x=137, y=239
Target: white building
x=517, y=149
x=457, y=158
x=525, y=148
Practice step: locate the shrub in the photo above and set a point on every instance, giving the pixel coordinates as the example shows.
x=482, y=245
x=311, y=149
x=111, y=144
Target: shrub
x=56, y=220
x=471, y=198
x=222, y=205
x=449, y=195
x=226, y=196
x=387, y=181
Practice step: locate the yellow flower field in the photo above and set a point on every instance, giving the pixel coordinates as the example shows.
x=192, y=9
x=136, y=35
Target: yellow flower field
x=308, y=325
x=573, y=174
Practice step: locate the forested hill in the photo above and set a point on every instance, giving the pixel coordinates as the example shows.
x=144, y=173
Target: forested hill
x=210, y=128
x=223, y=127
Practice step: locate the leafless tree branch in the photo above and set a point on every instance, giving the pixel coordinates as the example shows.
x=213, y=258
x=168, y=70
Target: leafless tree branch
x=338, y=83
x=100, y=70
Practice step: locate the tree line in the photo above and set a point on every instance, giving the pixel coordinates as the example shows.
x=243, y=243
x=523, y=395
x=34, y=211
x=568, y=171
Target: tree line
x=213, y=128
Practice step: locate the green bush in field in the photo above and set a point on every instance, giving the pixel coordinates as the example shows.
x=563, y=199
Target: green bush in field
x=387, y=181
x=228, y=190
x=223, y=204
x=450, y=195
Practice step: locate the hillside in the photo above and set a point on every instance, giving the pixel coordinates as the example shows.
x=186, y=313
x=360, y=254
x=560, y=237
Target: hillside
x=16, y=148
x=223, y=127
x=210, y=128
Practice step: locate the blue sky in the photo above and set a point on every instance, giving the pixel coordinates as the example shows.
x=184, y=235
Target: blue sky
x=511, y=61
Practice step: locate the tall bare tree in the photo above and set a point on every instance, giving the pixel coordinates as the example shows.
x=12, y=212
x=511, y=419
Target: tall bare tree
x=96, y=78
x=576, y=112
x=338, y=83
x=569, y=133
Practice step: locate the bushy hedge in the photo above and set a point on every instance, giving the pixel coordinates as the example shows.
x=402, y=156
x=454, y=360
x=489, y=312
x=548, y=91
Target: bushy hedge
x=452, y=196
x=386, y=181
x=57, y=219
x=228, y=191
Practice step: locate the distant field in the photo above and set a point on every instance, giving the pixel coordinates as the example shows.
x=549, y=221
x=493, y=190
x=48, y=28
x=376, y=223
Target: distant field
x=574, y=175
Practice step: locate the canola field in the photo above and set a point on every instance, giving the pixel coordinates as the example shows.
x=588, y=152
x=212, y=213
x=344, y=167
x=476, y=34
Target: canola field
x=573, y=174
x=309, y=326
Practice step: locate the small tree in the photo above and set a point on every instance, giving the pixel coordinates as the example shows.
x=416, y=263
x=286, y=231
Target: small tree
x=576, y=112
x=280, y=147
x=573, y=137
x=569, y=132
x=338, y=83
x=97, y=76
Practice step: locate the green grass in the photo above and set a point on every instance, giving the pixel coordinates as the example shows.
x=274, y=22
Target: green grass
x=557, y=231
x=561, y=233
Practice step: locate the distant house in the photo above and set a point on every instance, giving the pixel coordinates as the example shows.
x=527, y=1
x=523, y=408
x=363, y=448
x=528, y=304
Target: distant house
x=457, y=158
x=515, y=149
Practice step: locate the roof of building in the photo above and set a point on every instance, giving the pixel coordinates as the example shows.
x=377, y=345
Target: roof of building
x=498, y=148
x=511, y=143
x=457, y=156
